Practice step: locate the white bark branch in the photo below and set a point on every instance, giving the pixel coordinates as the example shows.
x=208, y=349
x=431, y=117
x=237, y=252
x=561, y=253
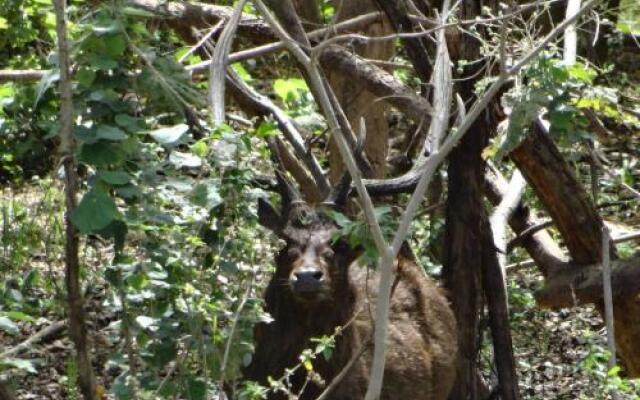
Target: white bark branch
x=218, y=67
x=500, y=217
x=571, y=34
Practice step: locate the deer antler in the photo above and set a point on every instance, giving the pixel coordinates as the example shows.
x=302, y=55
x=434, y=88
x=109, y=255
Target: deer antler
x=290, y=195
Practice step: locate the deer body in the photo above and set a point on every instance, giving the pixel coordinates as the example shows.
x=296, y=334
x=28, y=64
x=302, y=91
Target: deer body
x=318, y=287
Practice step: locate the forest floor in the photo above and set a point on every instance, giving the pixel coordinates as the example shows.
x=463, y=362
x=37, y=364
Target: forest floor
x=560, y=355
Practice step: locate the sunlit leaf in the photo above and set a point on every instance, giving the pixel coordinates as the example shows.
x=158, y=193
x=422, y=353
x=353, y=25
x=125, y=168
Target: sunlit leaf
x=169, y=136
x=25, y=365
x=95, y=212
x=185, y=160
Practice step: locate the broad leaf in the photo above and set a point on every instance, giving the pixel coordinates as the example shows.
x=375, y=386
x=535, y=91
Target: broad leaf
x=169, y=136
x=116, y=178
x=95, y=212
x=109, y=132
x=184, y=160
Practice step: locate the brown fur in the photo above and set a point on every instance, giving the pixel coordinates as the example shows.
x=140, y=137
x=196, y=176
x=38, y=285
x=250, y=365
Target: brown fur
x=422, y=337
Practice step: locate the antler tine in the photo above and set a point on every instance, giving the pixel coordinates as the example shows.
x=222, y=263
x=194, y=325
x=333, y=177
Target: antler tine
x=290, y=195
x=340, y=194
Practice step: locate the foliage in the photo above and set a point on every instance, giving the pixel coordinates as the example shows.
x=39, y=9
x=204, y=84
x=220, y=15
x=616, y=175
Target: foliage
x=559, y=93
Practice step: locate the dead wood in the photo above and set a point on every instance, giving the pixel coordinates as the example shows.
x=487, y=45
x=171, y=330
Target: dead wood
x=47, y=333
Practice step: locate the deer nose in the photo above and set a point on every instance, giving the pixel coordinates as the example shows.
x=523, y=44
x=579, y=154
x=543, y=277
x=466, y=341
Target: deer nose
x=307, y=279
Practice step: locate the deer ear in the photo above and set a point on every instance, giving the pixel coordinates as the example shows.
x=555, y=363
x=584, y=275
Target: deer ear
x=268, y=216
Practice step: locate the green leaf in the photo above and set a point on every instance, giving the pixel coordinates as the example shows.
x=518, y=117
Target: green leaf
x=196, y=389
x=3, y=23
x=8, y=326
x=242, y=72
x=101, y=154
x=582, y=73
x=200, y=148
x=95, y=212
x=289, y=89
x=116, y=230
x=103, y=62
x=129, y=123
x=206, y=195
x=109, y=132
x=116, y=178
x=266, y=129
x=20, y=316
x=115, y=45
x=86, y=77
x=169, y=136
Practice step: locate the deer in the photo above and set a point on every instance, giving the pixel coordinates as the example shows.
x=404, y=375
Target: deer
x=319, y=288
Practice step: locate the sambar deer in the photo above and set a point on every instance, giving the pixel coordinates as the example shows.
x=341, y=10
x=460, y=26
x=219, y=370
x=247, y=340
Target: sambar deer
x=318, y=286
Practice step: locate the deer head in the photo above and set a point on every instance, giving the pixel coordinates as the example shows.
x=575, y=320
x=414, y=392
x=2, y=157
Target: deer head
x=313, y=265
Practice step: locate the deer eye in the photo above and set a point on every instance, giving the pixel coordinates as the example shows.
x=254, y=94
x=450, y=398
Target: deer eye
x=293, y=252
x=327, y=253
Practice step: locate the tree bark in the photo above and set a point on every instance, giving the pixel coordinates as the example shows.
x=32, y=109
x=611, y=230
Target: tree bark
x=355, y=98
x=463, y=253
x=465, y=216
x=496, y=295
x=565, y=199
x=398, y=14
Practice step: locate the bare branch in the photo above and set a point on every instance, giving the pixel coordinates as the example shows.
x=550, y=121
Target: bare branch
x=503, y=212
x=242, y=55
x=218, y=67
x=263, y=106
x=184, y=15
x=26, y=75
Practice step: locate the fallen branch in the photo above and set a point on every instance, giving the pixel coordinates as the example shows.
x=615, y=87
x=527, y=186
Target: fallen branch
x=50, y=331
x=530, y=262
x=583, y=284
x=25, y=75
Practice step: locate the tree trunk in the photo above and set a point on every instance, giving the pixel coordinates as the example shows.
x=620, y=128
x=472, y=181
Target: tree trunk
x=496, y=295
x=354, y=98
x=562, y=194
x=463, y=253
x=465, y=215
